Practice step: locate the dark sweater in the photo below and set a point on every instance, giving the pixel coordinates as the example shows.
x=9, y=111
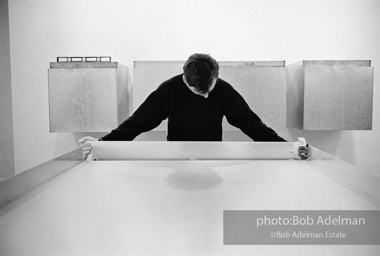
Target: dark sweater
x=193, y=117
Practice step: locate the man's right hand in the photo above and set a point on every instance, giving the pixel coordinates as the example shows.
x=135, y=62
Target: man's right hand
x=86, y=147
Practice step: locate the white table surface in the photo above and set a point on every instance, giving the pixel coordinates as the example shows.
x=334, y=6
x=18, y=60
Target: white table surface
x=169, y=207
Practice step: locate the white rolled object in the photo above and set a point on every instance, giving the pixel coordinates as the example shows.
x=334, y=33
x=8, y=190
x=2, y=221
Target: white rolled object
x=160, y=150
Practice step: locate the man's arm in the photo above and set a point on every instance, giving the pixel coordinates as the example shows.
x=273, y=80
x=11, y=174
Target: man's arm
x=239, y=114
x=147, y=117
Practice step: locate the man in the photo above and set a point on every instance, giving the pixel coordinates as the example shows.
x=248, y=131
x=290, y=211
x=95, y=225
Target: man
x=194, y=103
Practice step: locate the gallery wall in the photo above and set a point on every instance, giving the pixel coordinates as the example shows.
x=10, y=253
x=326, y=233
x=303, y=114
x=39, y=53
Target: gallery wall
x=129, y=30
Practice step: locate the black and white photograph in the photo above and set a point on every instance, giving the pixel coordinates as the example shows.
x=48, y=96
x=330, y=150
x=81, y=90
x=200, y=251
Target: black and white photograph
x=176, y=127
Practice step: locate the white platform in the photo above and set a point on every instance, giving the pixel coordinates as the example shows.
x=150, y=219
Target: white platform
x=175, y=207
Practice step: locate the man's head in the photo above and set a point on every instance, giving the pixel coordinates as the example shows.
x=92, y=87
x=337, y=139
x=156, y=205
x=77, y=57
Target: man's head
x=200, y=73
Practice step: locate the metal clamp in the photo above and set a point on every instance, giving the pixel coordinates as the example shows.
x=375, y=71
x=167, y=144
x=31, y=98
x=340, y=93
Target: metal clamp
x=84, y=59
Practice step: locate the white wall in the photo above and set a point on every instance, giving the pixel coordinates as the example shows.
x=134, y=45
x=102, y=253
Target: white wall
x=129, y=30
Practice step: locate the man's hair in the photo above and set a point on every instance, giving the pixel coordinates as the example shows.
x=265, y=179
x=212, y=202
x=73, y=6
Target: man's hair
x=200, y=71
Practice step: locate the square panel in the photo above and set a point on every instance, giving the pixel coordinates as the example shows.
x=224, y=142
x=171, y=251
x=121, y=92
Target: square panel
x=338, y=98
x=83, y=99
x=330, y=95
